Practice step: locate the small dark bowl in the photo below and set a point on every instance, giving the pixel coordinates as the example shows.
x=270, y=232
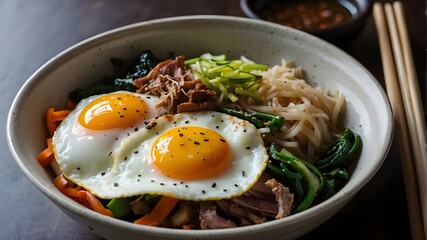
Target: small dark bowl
x=341, y=34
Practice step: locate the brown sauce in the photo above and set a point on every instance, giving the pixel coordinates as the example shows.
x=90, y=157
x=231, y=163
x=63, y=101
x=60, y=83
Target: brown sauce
x=306, y=15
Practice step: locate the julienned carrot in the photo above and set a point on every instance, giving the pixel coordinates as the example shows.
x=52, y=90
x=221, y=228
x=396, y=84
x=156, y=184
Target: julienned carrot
x=46, y=155
x=83, y=196
x=60, y=182
x=95, y=204
x=159, y=212
x=53, y=117
x=71, y=192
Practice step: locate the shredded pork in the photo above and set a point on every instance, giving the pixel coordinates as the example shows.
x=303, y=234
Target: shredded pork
x=170, y=81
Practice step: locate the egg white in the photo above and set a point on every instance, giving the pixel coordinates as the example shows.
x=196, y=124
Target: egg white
x=85, y=156
x=134, y=174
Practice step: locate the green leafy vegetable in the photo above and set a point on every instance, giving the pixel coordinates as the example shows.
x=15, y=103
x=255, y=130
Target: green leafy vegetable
x=311, y=176
x=259, y=120
x=231, y=78
x=333, y=164
x=125, y=72
x=315, y=181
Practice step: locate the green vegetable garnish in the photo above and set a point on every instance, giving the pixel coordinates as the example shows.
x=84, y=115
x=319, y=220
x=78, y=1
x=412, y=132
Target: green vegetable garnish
x=312, y=177
x=231, y=78
x=120, y=207
x=340, y=151
x=125, y=72
x=319, y=180
x=259, y=120
x=333, y=164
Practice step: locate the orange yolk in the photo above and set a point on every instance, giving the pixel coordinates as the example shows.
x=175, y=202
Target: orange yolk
x=190, y=152
x=116, y=110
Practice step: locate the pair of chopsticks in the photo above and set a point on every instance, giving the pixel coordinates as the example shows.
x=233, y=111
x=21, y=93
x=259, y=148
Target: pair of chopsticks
x=405, y=98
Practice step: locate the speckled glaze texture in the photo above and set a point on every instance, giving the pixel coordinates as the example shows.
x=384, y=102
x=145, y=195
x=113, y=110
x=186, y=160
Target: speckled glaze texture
x=368, y=112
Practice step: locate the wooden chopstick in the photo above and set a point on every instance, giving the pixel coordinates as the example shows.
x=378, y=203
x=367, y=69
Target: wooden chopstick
x=411, y=100
x=406, y=109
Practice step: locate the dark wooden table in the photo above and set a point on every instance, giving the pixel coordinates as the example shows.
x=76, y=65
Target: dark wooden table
x=34, y=31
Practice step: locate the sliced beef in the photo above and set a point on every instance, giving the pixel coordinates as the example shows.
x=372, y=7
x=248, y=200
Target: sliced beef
x=284, y=198
x=260, y=190
x=267, y=199
x=265, y=207
x=209, y=218
x=243, y=215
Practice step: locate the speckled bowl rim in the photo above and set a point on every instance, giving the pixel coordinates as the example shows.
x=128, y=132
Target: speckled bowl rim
x=344, y=195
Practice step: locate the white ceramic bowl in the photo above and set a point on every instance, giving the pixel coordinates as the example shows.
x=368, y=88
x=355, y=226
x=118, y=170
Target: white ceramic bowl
x=368, y=111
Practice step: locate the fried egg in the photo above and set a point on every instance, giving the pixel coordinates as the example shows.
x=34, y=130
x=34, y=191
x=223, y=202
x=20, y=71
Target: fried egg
x=86, y=140
x=191, y=156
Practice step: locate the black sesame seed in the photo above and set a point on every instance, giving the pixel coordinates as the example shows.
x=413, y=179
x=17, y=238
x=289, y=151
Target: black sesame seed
x=103, y=173
x=248, y=147
x=180, y=134
x=213, y=185
x=222, y=140
x=162, y=184
x=135, y=152
x=78, y=168
x=243, y=174
x=236, y=185
x=196, y=143
x=116, y=184
x=203, y=191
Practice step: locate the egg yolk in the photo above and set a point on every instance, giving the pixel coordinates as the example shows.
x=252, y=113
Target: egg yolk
x=116, y=110
x=191, y=152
